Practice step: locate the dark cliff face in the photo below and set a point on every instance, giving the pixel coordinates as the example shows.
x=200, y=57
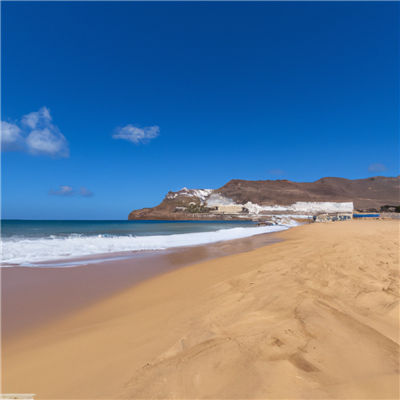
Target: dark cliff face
x=364, y=193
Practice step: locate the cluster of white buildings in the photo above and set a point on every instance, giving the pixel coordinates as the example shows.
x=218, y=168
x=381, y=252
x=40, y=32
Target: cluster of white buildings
x=217, y=204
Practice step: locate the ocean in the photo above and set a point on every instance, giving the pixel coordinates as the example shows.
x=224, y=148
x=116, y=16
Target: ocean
x=29, y=243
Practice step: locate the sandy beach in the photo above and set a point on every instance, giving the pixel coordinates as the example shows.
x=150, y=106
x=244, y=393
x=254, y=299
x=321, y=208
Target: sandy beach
x=52, y=293
x=315, y=315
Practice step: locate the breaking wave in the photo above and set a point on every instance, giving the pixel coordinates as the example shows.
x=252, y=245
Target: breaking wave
x=23, y=251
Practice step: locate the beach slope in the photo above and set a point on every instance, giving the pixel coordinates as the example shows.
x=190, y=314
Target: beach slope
x=314, y=316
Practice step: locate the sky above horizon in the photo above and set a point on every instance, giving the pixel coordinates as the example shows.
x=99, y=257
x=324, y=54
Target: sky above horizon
x=107, y=106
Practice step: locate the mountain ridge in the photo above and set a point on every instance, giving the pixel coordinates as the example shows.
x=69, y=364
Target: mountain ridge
x=368, y=193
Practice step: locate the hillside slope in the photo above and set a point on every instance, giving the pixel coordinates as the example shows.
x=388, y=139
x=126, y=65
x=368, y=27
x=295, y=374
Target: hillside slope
x=370, y=193
x=364, y=193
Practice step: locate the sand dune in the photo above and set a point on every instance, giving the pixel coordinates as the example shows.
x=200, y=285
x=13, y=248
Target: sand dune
x=315, y=316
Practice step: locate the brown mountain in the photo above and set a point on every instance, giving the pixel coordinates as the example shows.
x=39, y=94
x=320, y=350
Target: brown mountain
x=364, y=193
x=370, y=193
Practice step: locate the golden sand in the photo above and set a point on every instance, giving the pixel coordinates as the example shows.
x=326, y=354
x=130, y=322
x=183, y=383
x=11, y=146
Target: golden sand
x=315, y=316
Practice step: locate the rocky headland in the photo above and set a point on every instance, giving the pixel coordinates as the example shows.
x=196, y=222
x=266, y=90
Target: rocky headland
x=241, y=199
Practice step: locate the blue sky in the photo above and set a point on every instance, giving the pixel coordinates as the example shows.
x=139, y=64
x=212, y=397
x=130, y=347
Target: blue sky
x=106, y=106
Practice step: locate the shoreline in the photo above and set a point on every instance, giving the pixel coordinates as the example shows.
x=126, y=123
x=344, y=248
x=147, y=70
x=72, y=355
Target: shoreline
x=315, y=315
x=75, y=286
x=84, y=249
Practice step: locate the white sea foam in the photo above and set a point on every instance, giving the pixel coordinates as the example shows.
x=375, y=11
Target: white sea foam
x=26, y=251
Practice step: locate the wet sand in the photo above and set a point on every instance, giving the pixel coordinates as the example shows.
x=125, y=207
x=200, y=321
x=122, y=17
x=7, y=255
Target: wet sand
x=31, y=296
x=313, y=316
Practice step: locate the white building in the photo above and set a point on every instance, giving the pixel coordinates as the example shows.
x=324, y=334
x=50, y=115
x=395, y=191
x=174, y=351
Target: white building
x=229, y=209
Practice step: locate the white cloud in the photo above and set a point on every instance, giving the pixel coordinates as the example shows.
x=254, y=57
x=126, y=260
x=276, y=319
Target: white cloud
x=38, y=135
x=63, y=191
x=136, y=135
x=85, y=192
x=32, y=119
x=9, y=133
x=378, y=167
x=46, y=142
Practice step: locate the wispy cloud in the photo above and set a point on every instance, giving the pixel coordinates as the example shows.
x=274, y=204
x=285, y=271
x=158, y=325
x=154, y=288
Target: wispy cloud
x=69, y=191
x=33, y=119
x=37, y=135
x=136, y=135
x=63, y=191
x=85, y=192
x=276, y=171
x=378, y=167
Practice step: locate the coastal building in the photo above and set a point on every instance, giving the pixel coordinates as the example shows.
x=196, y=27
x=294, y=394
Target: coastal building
x=322, y=218
x=332, y=217
x=229, y=209
x=342, y=217
x=180, y=209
